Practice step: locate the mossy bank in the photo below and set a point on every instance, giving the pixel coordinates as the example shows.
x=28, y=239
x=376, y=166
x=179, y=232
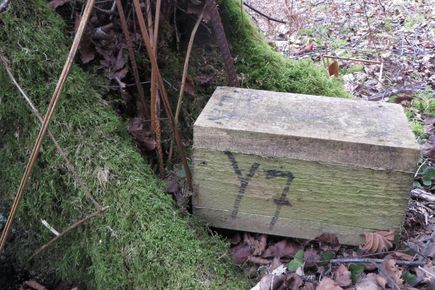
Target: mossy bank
x=142, y=241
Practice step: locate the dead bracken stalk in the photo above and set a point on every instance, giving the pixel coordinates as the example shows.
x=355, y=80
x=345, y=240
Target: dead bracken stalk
x=59, y=149
x=155, y=100
x=184, y=77
x=162, y=89
x=141, y=105
x=68, y=230
x=50, y=110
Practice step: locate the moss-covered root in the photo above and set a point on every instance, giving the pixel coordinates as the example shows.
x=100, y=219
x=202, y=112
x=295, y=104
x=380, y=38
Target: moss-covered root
x=141, y=242
x=264, y=68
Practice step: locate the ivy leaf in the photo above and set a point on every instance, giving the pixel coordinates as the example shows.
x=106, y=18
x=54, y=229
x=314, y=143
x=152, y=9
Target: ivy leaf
x=325, y=257
x=428, y=174
x=356, y=270
x=297, y=262
x=409, y=278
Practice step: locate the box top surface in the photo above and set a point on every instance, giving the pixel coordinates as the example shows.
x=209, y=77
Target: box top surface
x=306, y=116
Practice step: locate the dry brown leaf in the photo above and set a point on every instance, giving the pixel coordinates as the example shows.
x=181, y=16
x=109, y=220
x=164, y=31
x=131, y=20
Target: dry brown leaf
x=389, y=265
x=240, y=253
x=378, y=242
x=307, y=48
x=292, y=281
x=382, y=281
x=329, y=238
x=276, y=262
x=141, y=131
x=333, y=69
x=311, y=258
x=34, y=285
x=328, y=284
x=281, y=249
x=258, y=260
x=343, y=276
x=369, y=282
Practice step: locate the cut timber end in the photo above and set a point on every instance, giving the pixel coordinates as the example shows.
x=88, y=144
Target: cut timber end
x=298, y=165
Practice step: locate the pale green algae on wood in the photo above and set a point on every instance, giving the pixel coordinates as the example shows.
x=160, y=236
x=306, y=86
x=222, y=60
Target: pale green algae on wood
x=300, y=165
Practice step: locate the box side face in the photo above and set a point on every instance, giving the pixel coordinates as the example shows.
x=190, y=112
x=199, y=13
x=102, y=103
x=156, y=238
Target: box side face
x=360, y=123
x=296, y=198
x=308, y=149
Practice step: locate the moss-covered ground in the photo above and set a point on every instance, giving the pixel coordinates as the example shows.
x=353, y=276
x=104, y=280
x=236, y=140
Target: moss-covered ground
x=142, y=241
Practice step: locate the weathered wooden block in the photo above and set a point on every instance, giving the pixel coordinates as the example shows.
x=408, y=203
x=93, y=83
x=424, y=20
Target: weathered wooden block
x=299, y=165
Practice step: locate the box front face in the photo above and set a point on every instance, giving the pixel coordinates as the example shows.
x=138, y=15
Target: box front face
x=296, y=198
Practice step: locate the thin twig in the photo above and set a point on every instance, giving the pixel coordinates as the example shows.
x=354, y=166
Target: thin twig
x=264, y=15
x=163, y=92
x=369, y=261
x=141, y=105
x=184, y=77
x=59, y=149
x=67, y=230
x=43, y=130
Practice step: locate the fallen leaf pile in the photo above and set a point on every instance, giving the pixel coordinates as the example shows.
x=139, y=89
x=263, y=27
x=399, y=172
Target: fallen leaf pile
x=399, y=34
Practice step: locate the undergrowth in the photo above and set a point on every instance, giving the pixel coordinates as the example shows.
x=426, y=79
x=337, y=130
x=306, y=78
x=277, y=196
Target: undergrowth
x=262, y=67
x=142, y=241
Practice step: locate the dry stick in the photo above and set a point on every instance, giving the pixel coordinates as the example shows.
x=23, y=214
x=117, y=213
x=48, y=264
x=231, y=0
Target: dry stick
x=155, y=104
x=183, y=79
x=369, y=261
x=51, y=107
x=155, y=124
x=163, y=92
x=67, y=230
x=59, y=149
x=141, y=104
x=264, y=15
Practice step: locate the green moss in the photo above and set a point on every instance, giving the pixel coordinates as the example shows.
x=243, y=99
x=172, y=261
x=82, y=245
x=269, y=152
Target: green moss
x=264, y=68
x=142, y=241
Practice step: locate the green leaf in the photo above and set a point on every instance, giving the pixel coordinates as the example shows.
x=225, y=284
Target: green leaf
x=428, y=173
x=325, y=257
x=356, y=271
x=416, y=184
x=297, y=262
x=409, y=278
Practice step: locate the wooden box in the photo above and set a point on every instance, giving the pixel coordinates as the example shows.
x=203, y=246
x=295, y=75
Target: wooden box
x=299, y=165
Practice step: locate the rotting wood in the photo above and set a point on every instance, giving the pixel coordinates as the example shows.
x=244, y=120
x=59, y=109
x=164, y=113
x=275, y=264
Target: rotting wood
x=299, y=165
x=50, y=110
